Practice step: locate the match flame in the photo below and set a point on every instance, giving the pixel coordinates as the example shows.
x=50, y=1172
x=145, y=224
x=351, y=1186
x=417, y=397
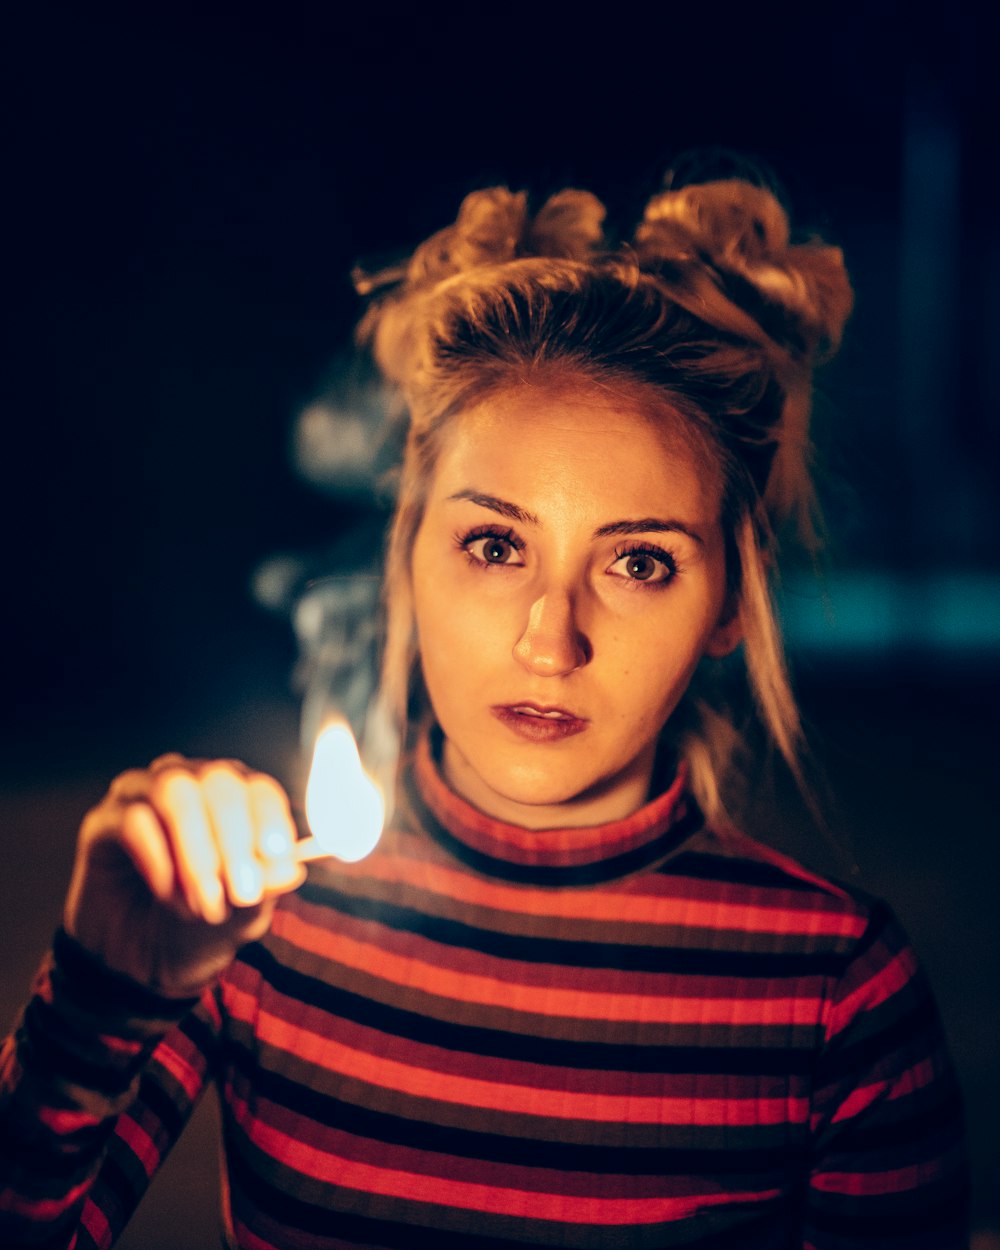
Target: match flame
x=344, y=806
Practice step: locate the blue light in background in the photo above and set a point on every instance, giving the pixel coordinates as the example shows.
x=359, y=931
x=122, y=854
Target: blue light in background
x=870, y=614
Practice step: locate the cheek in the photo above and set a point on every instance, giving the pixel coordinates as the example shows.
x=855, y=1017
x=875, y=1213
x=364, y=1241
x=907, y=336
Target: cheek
x=654, y=662
x=457, y=634
x=455, y=606
x=657, y=692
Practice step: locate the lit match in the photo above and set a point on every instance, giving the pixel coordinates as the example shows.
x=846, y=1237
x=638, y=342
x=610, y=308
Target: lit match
x=345, y=809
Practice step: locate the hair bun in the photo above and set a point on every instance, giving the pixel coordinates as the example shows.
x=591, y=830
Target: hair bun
x=740, y=229
x=488, y=230
x=730, y=220
x=493, y=226
x=568, y=226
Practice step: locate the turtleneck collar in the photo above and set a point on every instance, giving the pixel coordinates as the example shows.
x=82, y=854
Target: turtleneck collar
x=582, y=856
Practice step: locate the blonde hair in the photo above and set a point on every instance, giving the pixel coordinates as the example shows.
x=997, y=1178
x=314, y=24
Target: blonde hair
x=711, y=306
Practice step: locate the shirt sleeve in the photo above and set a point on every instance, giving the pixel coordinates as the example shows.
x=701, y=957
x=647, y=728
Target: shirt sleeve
x=96, y=1083
x=889, y=1167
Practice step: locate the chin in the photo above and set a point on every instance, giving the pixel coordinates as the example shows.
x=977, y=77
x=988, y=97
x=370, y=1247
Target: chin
x=537, y=791
x=520, y=775
x=539, y=782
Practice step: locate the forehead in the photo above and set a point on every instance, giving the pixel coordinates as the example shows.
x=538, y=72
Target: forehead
x=622, y=449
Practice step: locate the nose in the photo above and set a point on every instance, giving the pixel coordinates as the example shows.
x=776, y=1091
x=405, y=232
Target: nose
x=552, y=644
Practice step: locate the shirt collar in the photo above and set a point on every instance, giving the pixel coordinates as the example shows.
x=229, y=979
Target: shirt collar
x=588, y=855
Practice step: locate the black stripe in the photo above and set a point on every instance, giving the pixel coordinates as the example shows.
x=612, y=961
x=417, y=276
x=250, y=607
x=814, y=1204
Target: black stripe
x=878, y=922
x=937, y=1210
x=62, y=1158
x=25, y=1234
x=254, y=1192
x=907, y=1136
x=756, y=1167
x=202, y=1037
x=112, y=1178
x=578, y=954
x=155, y=1098
x=45, y=1049
x=847, y=1061
x=89, y=982
x=556, y=1052
x=708, y=867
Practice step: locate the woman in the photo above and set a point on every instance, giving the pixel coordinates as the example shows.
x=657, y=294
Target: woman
x=565, y=1002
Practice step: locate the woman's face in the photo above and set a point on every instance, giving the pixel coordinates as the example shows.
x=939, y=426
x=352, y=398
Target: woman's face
x=568, y=575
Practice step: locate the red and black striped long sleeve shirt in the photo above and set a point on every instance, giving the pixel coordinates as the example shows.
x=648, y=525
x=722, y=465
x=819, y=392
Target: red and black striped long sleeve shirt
x=643, y=1034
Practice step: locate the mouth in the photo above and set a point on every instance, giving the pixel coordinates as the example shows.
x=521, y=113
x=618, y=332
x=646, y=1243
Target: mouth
x=537, y=722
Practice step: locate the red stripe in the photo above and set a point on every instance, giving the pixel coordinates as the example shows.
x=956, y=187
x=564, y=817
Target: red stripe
x=121, y=1048
x=190, y=1079
x=64, y=1120
x=368, y=1178
x=422, y=1055
x=413, y=1160
x=418, y=1082
x=95, y=1222
x=39, y=1209
x=503, y=991
x=887, y=980
x=902, y=1085
x=868, y=1184
x=593, y=980
x=621, y=903
x=139, y=1142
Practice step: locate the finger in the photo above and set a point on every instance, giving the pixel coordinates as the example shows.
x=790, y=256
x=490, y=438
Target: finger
x=275, y=832
x=143, y=840
x=171, y=760
x=191, y=764
x=179, y=801
x=126, y=817
x=234, y=766
x=130, y=786
x=228, y=803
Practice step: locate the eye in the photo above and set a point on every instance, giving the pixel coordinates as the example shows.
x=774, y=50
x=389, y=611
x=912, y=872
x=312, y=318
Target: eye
x=649, y=566
x=494, y=550
x=492, y=547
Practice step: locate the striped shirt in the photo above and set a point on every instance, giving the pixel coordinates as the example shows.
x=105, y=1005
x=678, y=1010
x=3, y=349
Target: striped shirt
x=641, y=1034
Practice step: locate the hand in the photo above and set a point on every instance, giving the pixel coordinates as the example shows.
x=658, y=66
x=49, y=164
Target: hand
x=177, y=867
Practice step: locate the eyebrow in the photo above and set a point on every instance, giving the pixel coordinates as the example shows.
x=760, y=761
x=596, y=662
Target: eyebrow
x=614, y=529
x=647, y=525
x=505, y=509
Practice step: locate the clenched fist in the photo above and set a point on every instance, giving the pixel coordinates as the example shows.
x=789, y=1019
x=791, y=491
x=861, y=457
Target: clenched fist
x=177, y=867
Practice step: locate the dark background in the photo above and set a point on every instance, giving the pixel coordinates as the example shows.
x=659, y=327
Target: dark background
x=186, y=194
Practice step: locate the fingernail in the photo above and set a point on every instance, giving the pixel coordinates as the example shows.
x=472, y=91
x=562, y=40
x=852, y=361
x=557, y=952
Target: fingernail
x=276, y=842
x=249, y=882
x=215, y=900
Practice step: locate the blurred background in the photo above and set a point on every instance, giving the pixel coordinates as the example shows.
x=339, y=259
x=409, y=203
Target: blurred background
x=186, y=195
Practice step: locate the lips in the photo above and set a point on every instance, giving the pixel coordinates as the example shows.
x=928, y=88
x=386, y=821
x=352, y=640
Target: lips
x=538, y=722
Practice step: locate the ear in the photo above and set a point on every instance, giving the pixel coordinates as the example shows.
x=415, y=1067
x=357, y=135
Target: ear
x=728, y=632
